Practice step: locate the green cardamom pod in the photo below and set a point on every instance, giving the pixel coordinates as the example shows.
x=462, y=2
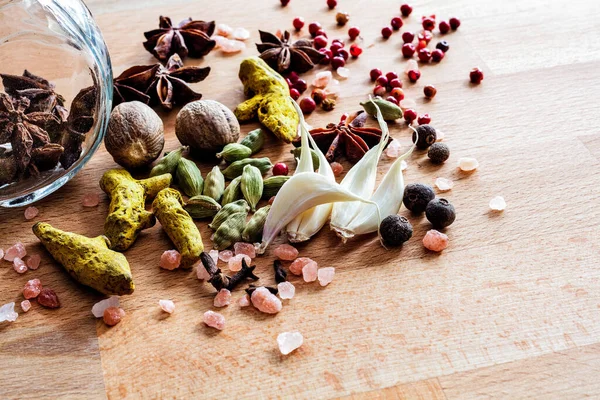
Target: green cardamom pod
x=235, y=169
x=230, y=231
x=227, y=211
x=315, y=158
x=389, y=111
x=254, y=140
x=202, y=207
x=232, y=192
x=189, y=177
x=252, y=185
x=272, y=184
x=214, y=185
x=234, y=152
x=168, y=163
x=254, y=229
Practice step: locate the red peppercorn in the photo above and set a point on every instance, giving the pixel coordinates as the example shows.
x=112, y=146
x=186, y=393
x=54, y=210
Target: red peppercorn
x=410, y=115
x=331, y=4
x=414, y=75
x=379, y=91
x=289, y=83
x=421, y=45
x=354, y=32
x=392, y=99
x=391, y=75
x=344, y=54
x=386, y=32
x=437, y=55
x=375, y=73
x=405, y=9
x=293, y=77
x=476, y=76
x=408, y=50
x=429, y=91
x=338, y=41
x=337, y=62
x=444, y=27
x=382, y=80
x=394, y=83
x=408, y=37
x=454, y=23
x=320, y=42
x=428, y=23
x=355, y=50
x=298, y=23
x=321, y=32
x=425, y=35
x=284, y=2
x=397, y=93
x=335, y=47
x=300, y=85
x=424, y=55
x=280, y=169
x=313, y=28
x=328, y=56
x=294, y=94
x=424, y=119
x=307, y=105
x=396, y=23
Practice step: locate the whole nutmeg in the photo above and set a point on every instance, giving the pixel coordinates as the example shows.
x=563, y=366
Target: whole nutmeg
x=206, y=125
x=135, y=136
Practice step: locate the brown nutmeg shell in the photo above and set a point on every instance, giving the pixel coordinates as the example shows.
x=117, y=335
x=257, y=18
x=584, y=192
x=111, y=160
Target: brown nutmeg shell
x=135, y=135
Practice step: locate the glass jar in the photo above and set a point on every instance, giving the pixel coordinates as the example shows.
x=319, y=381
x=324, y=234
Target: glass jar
x=55, y=97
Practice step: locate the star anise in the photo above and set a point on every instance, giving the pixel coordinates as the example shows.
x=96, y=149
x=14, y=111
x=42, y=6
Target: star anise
x=188, y=38
x=38, y=90
x=349, y=137
x=79, y=122
x=125, y=85
x=284, y=56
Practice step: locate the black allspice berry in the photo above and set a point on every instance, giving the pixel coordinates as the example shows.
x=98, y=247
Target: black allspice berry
x=438, y=153
x=443, y=46
x=395, y=230
x=440, y=213
x=417, y=196
x=427, y=136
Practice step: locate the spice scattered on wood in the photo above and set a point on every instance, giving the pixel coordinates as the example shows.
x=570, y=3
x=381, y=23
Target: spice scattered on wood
x=468, y=164
x=25, y=305
x=286, y=252
x=99, y=308
x=235, y=262
x=214, y=320
x=265, y=301
x=112, y=315
x=14, y=251
x=444, y=184
x=90, y=200
x=395, y=230
x=223, y=298
x=497, y=204
x=417, y=196
x=283, y=55
x=435, y=241
x=19, y=265
x=167, y=306
x=440, y=213
x=289, y=341
x=170, y=260
x=310, y=272
x=438, y=153
x=298, y=264
x=325, y=275
x=32, y=289
x=30, y=213
x=189, y=37
x=286, y=290
x=7, y=312
x=48, y=298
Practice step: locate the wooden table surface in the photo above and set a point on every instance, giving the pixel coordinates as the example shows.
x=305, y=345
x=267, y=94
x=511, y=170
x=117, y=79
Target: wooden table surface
x=509, y=310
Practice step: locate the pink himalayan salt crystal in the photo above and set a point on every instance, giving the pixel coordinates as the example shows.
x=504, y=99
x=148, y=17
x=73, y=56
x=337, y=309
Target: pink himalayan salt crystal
x=32, y=289
x=333, y=90
x=326, y=275
x=393, y=149
x=31, y=213
x=91, y=200
x=322, y=79
x=244, y=301
x=289, y=341
x=286, y=290
x=403, y=165
x=201, y=272
x=439, y=135
x=25, y=305
x=244, y=248
x=218, y=40
x=225, y=255
x=167, y=306
x=19, y=265
x=113, y=315
x=17, y=250
x=232, y=46
x=443, y=184
x=7, y=312
x=33, y=261
x=411, y=65
x=240, y=34
x=408, y=103
x=170, y=260
x=265, y=301
x=1, y=254
x=435, y=241
x=214, y=254
x=214, y=320
x=235, y=262
x=223, y=30
x=99, y=308
x=223, y=298
x=337, y=168
x=286, y=252
x=343, y=72
x=309, y=272
x=497, y=203
x=467, y=164
x=298, y=264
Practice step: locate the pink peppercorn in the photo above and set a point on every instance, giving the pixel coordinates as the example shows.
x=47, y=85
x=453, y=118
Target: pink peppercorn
x=437, y=55
x=414, y=75
x=300, y=85
x=382, y=80
x=337, y=62
x=355, y=51
x=375, y=73
x=425, y=35
x=331, y=4
x=396, y=23
x=424, y=119
x=408, y=37
x=421, y=45
x=320, y=42
x=335, y=47
x=379, y=91
x=391, y=75
x=294, y=94
x=392, y=99
x=408, y=50
x=444, y=27
x=321, y=32
x=386, y=32
x=344, y=54
x=284, y=2
x=307, y=105
x=354, y=32
x=424, y=55
x=298, y=23
x=280, y=169
x=313, y=28
x=410, y=115
x=428, y=23
x=395, y=83
x=397, y=93
x=454, y=23
x=476, y=75
x=405, y=9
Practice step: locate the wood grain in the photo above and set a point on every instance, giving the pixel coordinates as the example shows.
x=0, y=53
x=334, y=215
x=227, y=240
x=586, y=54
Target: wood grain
x=509, y=310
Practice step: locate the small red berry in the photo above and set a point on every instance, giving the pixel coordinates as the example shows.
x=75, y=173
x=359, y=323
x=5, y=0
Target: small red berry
x=293, y=77
x=396, y=23
x=354, y=32
x=331, y=4
x=424, y=55
x=444, y=27
x=328, y=56
x=320, y=42
x=355, y=50
x=424, y=119
x=280, y=169
x=321, y=32
x=428, y=23
x=375, y=73
x=284, y=2
x=337, y=62
x=414, y=75
x=454, y=23
x=307, y=105
x=313, y=28
x=410, y=115
x=405, y=9
x=294, y=94
x=429, y=91
x=408, y=37
x=338, y=41
x=344, y=54
x=476, y=75
x=289, y=82
x=397, y=93
x=335, y=47
x=392, y=99
x=382, y=81
x=437, y=55
x=386, y=32
x=379, y=91
x=391, y=75
x=408, y=50
x=421, y=45
x=394, y=83
x=300, y=85
x=425, y=35
x=298, y=23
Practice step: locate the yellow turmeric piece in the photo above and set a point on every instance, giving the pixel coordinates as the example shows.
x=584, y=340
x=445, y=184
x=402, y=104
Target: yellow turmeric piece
x=269, y=99
x=168, y=207
x=127, y=215
x=89, y=261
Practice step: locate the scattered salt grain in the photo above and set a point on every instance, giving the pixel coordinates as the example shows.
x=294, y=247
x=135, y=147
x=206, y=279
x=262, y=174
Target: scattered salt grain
x=410, y=66
x=298, y=264
x=223, y=30
x=19, y=265
x=223, y=298
x=218, y=40
x=244, y=301
x=235, y=262
x=167, y=306
x=170, y=260
x=343, y=72
x=7, y=313
x=322, y=79
x=25, y=305
x=326, y=275
x=286, y=290
x=17, y=250
x=408, y=103
x=113, y=315
x=99, y=308
x=214, y=320
x=289, y=341
x=232, y=46
x=439, y=135
x=91, y=200
x=467, y=164
x=309, y=272
x=33, y=261
x=333, y=89
x=244, y=248
x=498, y=203
x=240, y=34
x=435, y=241
x=1, y=254
x=214, y=254
x=444, y=184
x=393, y=149
x=32, y=289
x=403, y=165
x=201, y=272
x=265, y=301
x=31, y=213
x=286, y=252
x=225, y=255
